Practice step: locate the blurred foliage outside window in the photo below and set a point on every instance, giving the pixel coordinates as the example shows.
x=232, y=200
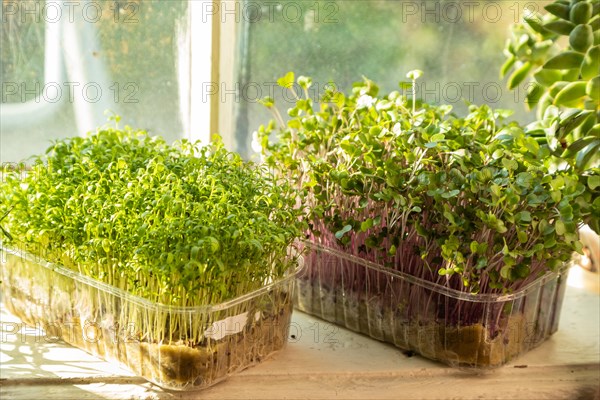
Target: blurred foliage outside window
x=458, y=44
x=141, y=44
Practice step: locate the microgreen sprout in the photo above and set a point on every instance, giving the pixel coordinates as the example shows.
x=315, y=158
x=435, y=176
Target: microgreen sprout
x=4, y=231
x=193, y=243
x=470, y=203
x=180, y=225
x=413, y=76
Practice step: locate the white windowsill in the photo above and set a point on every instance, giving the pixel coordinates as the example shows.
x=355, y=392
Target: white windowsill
x=340, y=365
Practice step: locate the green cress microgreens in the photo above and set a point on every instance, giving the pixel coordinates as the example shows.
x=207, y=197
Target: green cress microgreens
x=180, y=225
x=468, y=202
x=4, y=231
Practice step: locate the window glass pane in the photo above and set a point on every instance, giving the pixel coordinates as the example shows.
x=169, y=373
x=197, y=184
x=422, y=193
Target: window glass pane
x=144, y=51
x=65, y=64
x=458, y=45
x=22, y=43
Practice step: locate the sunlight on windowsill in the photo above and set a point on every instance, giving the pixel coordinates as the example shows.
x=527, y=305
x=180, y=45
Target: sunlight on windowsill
x=582, y=278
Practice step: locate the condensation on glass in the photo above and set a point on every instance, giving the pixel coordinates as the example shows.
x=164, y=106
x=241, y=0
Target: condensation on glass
x=458, y=44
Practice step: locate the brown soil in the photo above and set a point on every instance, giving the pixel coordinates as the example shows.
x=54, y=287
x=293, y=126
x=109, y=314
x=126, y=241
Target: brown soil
x=465, y=346
x=178, y=366
x=172, y=366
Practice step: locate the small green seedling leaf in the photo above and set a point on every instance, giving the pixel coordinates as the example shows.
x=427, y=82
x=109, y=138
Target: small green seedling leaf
x=339, y=234
x=286, y=81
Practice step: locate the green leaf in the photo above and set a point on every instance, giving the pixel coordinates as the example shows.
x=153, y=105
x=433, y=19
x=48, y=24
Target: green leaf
x=304, y=82
x=522, y=271
x=343, y=231
x=450, y=194
x=339, y=99
x=414, y=74
x=578, y=145
x=547, y=77
x=559, y=227
x=366, y=225
x=496, y=190
x=194, y=252
x=593, y=181
x=581, y=38
x=508, y=64
x=482, y=262
x=505, y=271
x=594, y=131
x=286, y=81
x=535, y=25
x=591, y=63
x=566, y=212
x=556, y=196
x=450, y=217
x=500, y=227
x=550, y=242
x=473, y=246
x=593, y=88
x=565, y=60
x=558, y=9
x=572, y=91
x=525, y=216
x=106, y=245
x=392, y=250
x=534, y=93
x=509, y=164
x=545, y=228
x=532, y=145
x=438, y=137
x=589, y=155
x=580, y=13
x=522, y=237
x=267, y=102
x=595, y=22
x=519, y=75
x=6, y=233
x=560, y=27
x=524, y=179
x=570, y=121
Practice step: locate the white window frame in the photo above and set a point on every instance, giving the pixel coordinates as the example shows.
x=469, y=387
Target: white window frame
x=212, y=69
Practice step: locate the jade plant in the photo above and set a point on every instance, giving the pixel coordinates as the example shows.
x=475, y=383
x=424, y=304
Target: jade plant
x=181, y=225
x=470, y=202
x=557, y=55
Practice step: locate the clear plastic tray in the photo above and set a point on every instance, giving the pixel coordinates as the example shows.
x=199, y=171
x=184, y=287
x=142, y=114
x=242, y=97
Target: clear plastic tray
x=132, y=331
x=460, y=329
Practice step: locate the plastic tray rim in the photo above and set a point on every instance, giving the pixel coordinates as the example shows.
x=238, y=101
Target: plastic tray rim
x=478, y=298
x=148, y=304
